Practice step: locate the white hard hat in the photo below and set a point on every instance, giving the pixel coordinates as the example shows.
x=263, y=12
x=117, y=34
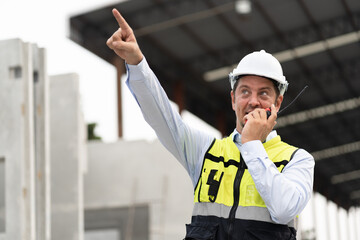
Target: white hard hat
x=260, y=64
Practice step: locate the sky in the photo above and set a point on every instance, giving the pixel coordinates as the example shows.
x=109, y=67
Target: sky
x=46, y=23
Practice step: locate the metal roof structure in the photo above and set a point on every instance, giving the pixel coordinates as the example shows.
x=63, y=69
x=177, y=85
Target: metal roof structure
x=192, y=45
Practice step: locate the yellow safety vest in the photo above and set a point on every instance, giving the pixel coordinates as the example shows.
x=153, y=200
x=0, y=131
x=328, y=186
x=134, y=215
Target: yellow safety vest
x=223, y=169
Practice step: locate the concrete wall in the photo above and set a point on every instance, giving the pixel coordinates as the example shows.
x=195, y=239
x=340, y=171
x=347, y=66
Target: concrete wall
x=68, y=153
x=42, y=144
x=16, y=138
x=139, y=173
x=26, y=143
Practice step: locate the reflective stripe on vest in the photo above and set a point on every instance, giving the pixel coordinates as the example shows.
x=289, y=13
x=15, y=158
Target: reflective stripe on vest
x=215, y=194
x=244, y=213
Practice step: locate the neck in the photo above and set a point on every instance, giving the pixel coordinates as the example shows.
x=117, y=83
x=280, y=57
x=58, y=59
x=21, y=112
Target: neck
x=239, y=127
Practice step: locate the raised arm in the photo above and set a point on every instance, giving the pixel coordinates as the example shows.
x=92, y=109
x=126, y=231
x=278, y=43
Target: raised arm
x=185, y=143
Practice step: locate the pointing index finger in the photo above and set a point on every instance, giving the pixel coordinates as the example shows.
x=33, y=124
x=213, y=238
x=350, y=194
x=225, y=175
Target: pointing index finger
x=121, y=21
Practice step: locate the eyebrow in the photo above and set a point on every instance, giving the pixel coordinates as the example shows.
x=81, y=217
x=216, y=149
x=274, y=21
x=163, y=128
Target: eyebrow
x=244, y=86
x=263, y=88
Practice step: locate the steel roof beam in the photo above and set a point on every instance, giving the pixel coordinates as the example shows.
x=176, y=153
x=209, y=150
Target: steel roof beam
x=344, y=177
x=291, y=54
x=185, y=19
x=318, y=112
x=299, y=38
x=336, y=151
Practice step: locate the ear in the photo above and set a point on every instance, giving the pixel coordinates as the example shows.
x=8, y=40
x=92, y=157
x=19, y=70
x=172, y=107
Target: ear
x=232, y=99
x=278, y=102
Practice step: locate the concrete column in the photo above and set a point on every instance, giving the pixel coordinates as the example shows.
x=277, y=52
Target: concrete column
x=17, y=137
x=67, y=137
x=120, y=69
x=42, y=144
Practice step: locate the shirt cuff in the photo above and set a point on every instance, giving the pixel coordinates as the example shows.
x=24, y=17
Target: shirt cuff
x=137, y=71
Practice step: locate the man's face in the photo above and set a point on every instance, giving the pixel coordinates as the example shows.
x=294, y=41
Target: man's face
x=253, y=92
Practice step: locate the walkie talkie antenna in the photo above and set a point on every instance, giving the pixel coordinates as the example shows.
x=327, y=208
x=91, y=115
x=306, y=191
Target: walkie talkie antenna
x=293, y=100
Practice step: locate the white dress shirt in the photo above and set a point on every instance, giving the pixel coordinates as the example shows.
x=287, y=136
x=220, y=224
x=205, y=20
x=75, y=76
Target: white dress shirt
x=285, y=194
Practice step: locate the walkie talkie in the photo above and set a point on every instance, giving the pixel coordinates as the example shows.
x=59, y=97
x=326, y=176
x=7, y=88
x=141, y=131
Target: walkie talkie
x=268, y=113
x=268, y=110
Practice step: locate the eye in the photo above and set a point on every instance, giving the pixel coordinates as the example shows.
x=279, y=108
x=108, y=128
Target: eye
x=264, y=93
x=244, y=91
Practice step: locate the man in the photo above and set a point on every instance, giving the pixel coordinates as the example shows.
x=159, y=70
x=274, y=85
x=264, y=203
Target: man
x=250, y=185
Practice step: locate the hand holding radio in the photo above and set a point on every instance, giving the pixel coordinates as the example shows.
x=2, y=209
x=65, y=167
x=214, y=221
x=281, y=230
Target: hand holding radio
x=259, y=123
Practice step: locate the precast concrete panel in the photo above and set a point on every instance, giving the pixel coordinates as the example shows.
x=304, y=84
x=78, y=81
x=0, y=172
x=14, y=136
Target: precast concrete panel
x=82, y=158
x=66, y=133
x=42, y=144
x=17, y=138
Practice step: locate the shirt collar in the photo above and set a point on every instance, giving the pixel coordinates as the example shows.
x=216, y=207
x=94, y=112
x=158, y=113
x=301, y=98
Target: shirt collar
x=236, y=136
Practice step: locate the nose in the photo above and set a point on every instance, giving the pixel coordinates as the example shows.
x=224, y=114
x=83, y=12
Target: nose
x=254, y=101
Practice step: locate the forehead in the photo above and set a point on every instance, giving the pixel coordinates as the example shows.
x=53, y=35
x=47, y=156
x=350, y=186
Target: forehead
x=255, y=82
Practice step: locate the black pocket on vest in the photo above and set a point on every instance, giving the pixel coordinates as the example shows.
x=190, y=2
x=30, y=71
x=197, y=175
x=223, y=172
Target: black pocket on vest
x=201, y=231
x=263, y=234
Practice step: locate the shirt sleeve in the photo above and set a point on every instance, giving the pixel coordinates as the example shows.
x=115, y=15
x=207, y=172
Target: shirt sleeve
x=285, y=194
x=187, y=144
